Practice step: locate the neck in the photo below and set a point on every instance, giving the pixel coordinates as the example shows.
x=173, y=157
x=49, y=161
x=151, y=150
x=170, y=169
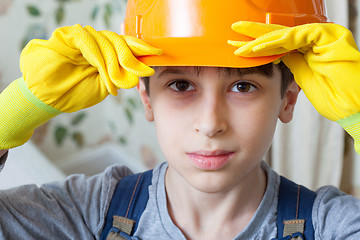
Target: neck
x=195, y=211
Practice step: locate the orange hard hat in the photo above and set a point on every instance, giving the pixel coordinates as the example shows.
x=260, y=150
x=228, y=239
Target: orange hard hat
x=195, y=32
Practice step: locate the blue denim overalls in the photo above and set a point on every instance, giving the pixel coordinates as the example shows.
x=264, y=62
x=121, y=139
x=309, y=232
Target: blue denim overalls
x=294, y=220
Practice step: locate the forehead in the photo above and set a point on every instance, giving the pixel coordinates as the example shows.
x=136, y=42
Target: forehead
x=266, y=70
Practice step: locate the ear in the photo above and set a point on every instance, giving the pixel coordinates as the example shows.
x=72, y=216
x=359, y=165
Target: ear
x=145, y=99
x=289, y=101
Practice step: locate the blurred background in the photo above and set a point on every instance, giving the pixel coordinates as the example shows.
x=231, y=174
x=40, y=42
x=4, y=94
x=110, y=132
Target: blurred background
x=310, y=150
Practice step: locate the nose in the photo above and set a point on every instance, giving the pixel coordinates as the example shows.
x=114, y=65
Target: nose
x=210, y=117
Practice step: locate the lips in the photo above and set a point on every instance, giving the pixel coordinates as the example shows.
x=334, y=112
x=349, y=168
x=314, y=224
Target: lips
x=210, y=160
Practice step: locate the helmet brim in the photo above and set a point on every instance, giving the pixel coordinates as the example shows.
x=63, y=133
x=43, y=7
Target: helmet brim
x=197, y=52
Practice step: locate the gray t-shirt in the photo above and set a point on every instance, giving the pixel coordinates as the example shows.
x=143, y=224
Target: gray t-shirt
x=76, y=209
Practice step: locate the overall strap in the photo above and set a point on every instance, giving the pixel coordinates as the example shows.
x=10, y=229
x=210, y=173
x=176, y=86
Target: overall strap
x=126, y=207
x=294, y=215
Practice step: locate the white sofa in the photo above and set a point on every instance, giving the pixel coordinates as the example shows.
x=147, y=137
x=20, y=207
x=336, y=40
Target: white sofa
x=26, y=165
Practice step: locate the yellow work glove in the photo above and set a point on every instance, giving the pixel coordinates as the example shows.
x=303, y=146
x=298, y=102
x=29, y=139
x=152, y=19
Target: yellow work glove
x=325, y=62
x=75, y=69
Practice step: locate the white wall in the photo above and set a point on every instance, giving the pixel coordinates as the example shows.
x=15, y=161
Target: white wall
x=337, y=11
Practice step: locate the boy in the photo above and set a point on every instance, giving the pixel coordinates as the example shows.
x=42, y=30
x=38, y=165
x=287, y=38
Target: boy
x=214, y=124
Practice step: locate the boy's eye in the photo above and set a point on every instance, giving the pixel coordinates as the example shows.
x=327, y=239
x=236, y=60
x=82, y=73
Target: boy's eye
x=243, y=87
x=181, y=86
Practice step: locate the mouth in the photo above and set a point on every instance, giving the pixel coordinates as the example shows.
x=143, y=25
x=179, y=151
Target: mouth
x=210, y=160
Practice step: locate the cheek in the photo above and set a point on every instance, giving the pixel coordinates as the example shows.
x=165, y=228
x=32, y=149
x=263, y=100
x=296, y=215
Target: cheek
x=256, y=125
x=170, y=125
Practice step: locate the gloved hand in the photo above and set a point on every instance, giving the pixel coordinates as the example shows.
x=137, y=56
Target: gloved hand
x=325, y=62
x=75, y=69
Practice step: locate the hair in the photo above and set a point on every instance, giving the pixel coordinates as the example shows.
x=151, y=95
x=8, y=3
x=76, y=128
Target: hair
x=267, y=70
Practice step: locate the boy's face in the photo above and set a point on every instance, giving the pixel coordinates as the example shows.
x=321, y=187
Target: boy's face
x=214, y=127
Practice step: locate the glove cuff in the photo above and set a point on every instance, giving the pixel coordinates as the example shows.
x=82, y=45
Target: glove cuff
x=20, y=113
x=352, y=126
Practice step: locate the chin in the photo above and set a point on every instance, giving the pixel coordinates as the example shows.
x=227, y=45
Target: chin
x=212, y=183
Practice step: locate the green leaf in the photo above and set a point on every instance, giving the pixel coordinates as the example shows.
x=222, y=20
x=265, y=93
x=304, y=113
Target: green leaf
x=33, y=10
x=129, y=115
x=107, y=19
x=60, y=134
x=132, y=102
x=95, y=12
x=78, y=138
x=122, y=140
x=108, y=9
x=59, y=14
x=78, y=118
x=107, y=15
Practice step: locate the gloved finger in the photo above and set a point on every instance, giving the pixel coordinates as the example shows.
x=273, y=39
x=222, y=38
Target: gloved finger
x=273, y=43
x=67, y=47
x=121, y=69
x=246, y=49
x=129, y=66
x=126, y=81
x=126, y=58
x=298, y=66
x=283, y=41
x=100, y=53
x=304, y=38
x=311, y=84
x=254, y=29
x=237, y=43
x=118, y=66
x=256, y=48
x=141, y=48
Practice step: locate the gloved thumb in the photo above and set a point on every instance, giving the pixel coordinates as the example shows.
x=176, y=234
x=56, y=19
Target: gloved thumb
x=298, y=66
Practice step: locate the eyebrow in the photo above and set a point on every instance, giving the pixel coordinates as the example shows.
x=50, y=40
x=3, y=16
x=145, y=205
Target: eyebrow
x=246, y=71
x=172, y=71
x=261, y=70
